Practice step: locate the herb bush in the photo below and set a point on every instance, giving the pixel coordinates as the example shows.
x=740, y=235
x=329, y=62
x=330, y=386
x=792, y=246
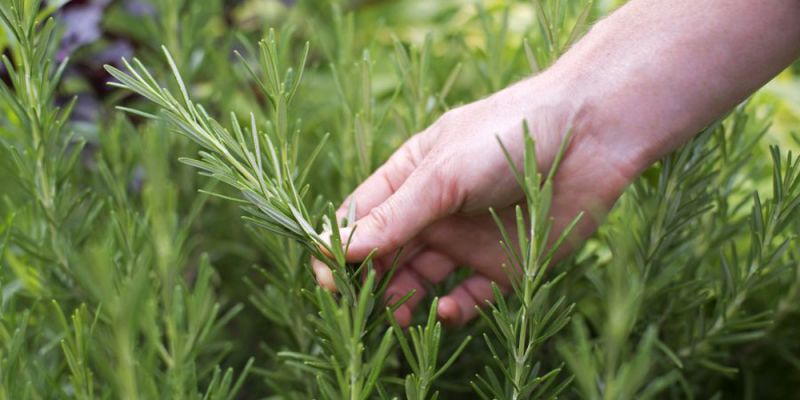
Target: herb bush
x=128, y=274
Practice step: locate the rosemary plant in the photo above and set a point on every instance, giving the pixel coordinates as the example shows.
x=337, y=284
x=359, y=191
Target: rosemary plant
x=130, y=312
x=122, y=275
x=422, y=354
x=522, y=328
x=272, y=188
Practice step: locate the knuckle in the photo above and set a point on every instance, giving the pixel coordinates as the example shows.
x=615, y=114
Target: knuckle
x=408, y=157
x=417, y=146
x=450, y=116
x=382, y=217
x=474, y=289
x=449, y=193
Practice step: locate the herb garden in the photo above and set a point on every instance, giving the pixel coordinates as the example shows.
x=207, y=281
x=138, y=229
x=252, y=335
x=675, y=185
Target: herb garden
x=168, y=168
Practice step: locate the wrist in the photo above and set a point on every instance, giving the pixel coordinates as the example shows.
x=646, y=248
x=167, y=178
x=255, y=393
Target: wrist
x=616, y=104
x=595, y=116
x=653, y=74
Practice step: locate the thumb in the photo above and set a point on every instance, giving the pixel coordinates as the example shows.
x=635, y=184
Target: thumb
x=422, y=199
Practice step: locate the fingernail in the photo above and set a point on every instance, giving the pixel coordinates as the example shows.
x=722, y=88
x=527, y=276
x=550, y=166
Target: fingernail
x=324, y=276
x=345, y=233
x=449, y=312
x=325, y=234
x=341, y=215
x=327, y=237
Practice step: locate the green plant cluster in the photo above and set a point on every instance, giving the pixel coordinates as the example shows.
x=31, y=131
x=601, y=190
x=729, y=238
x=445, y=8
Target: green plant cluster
x=163, y=251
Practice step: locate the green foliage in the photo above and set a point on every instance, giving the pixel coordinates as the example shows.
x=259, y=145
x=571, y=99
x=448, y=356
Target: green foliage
x=522, y=328
x=422, y=354
x=126, y=274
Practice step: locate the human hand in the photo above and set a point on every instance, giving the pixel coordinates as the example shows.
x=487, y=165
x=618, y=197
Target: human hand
x=432, y=195
x=641, y=83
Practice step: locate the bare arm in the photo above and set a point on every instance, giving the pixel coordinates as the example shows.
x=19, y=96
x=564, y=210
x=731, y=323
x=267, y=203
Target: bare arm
x=658, y=71
x=641, y=82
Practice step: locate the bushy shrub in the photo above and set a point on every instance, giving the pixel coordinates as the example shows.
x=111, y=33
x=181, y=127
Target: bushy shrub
x=128, y=274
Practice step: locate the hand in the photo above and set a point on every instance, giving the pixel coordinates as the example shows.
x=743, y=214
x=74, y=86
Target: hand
x=432, y=196
x=641, y=83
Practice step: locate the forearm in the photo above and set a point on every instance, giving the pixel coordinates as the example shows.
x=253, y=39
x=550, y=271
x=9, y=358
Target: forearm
x=657, y=71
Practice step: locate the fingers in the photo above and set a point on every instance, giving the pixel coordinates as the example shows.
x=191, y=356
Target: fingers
x=409, y=251
x=427, y=267
x=459, y=307
x=455, y=309
x=324, y=275
x=373, y=191
x=384, y=181
x=420, y=200
x=432, y=266
x=394, y=203
x=404, y=282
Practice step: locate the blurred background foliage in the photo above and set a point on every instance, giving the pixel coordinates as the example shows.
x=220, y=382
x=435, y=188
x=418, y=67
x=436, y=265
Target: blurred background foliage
x=133, y=283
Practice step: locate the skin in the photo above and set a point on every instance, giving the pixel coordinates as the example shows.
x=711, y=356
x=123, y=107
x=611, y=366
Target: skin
x=638, y=85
